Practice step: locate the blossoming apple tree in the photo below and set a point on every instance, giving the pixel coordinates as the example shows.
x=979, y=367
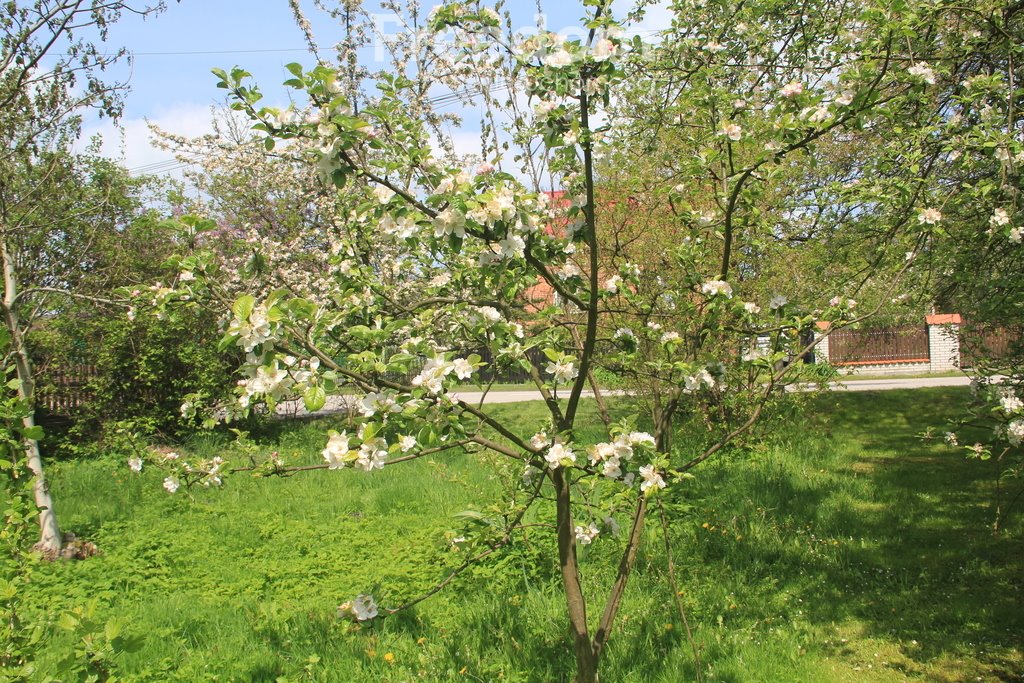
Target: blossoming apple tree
x=425, y=262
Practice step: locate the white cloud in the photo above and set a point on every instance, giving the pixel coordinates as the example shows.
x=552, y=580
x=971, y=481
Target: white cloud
x=130, y=141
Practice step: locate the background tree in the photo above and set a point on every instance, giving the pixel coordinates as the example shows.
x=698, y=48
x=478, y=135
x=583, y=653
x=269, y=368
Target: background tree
x=51, y=62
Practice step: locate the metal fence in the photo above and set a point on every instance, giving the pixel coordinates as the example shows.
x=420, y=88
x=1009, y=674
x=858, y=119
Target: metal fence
x=889, y=345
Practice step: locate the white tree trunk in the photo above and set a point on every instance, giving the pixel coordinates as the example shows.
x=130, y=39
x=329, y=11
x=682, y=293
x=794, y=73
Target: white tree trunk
x=50, y=538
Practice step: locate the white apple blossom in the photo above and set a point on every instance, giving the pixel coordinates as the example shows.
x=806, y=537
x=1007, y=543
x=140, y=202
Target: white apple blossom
x=641, y=439
x=585, y=535
x=544, y=107
x=254, y=331
x=558, y=59
x=488, y=315
x=717, y=288
x=930, y=216
x=172, y=484
x=732, y=131
x=449, y=222
x=999, y=217
x=1015, y=432
x=792, y=89
x=372, y=455
x=432, y=375
x=406, y=443
x=624, y=333
x=540, y=440
x=383, y=194
x=363, y=608
x=135, y=464
x=612, y=283
x=336, y=451
x=603, y=50
x=751, y=308
x=1010, y=403
x=923, y=72
x=559, y=455
x=374, y=403
x=463, y=368
x=562, y=371
x=651, y=478
x=778, y=301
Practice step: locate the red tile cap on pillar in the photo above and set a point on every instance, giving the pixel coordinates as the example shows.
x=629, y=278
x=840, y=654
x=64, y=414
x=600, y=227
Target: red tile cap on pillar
x=944, y=319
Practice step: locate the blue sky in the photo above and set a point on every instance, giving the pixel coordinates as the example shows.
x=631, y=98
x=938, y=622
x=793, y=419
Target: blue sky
x=170, y=79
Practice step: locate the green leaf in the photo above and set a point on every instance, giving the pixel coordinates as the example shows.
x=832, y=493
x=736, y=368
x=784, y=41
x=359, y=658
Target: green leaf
x=112, y=629
x=243, y=306
x=35, y=433
x=314, y=398
x=427, y=437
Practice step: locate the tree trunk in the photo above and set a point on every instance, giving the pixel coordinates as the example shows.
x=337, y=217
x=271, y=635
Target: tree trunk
x=50, y=537
x=586, y=660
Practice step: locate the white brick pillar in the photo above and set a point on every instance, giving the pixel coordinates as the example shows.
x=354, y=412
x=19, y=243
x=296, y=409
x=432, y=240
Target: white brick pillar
x=821, y=350
x=944, y=342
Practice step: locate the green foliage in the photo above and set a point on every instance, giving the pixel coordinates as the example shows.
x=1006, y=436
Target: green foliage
x=146, y=366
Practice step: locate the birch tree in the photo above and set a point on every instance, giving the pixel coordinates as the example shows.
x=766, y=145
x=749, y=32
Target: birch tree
x=52, y=57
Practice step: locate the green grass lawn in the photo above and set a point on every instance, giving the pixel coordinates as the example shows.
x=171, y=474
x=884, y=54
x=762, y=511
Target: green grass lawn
x=843, y=548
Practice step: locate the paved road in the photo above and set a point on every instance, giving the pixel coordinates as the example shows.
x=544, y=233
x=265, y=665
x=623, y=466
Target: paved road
x=846, y=385
x=901, y=383
x=337, y=403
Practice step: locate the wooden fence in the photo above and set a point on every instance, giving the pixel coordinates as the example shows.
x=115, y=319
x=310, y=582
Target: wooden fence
x=63, y=390
x=986, y=342
x=870, y=347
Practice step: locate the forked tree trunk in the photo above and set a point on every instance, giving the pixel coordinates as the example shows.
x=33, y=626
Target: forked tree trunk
x=49, y=537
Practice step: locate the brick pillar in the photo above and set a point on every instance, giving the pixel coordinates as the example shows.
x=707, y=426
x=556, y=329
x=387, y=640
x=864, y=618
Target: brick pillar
x=944, y=342
x=821, y=350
